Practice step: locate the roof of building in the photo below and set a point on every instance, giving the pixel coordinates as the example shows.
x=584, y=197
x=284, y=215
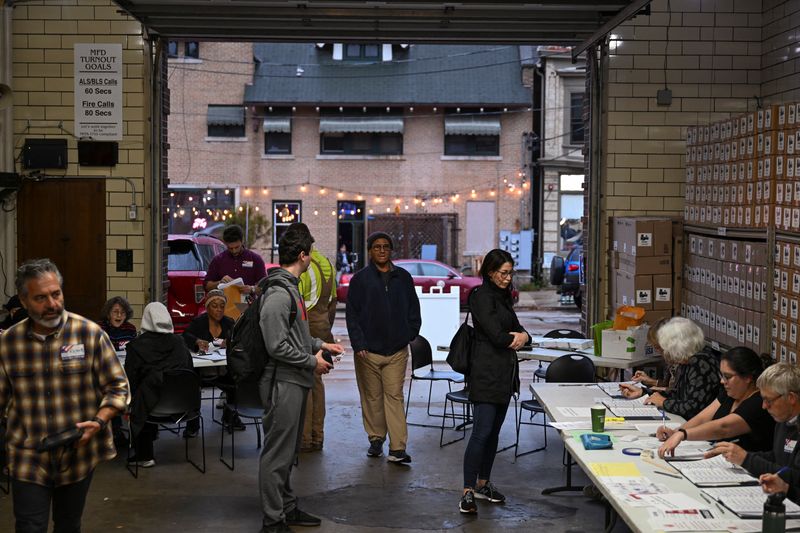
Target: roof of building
x=301, y=74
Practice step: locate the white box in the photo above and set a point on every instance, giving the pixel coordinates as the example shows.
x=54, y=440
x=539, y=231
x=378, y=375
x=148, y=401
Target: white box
x=630, y=343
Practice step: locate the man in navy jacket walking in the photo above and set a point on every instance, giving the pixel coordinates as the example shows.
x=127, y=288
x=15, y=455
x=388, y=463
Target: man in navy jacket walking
x=383, y=317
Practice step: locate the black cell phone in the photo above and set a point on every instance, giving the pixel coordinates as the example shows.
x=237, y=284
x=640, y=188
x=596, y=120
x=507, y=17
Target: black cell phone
x=328, y=356
x=62, y=438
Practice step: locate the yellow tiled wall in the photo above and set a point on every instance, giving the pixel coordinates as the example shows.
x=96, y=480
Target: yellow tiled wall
x=44, y=34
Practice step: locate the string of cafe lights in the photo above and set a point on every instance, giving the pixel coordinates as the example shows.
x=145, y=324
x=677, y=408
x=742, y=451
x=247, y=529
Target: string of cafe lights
x=377, y=202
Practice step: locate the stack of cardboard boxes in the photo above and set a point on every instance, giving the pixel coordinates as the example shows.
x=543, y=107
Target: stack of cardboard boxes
x=785, y=301
x=726, y=290
x=642, y=262
x=744, y=171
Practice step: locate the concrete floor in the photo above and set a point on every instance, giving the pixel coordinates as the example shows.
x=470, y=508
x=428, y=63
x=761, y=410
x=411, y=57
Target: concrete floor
x=348, y=490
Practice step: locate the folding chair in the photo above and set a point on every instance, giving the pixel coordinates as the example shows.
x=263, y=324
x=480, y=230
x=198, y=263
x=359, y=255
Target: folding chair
x=422, y=357
x=248, y=405
x=179, y=403
x=539, y=373
x=570, y=368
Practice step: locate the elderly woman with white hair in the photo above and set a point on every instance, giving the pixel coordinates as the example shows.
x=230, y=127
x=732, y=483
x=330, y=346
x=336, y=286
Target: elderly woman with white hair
x=697, y=380
x=780, y=396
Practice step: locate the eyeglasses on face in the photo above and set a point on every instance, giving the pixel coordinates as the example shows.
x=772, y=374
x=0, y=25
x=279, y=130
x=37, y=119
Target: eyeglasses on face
x=728, y=377
x=769, y=401
x=505, y=274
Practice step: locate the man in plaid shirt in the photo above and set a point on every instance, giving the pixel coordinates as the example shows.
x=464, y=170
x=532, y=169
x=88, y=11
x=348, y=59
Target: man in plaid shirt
x=58, y=370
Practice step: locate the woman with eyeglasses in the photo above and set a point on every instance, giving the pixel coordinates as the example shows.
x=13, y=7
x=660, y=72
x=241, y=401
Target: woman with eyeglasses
x=494, y=374
x=697, y=375
x=737, y=412
x=117, y=313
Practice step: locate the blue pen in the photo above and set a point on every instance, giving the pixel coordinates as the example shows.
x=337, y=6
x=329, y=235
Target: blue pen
x=781, y=470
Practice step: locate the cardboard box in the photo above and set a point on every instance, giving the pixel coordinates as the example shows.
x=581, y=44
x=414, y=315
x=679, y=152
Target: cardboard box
x=643, y=265
x=634, y=289
x=625, y=344
x=651, y=317
x=662, y=292
x=643, y=236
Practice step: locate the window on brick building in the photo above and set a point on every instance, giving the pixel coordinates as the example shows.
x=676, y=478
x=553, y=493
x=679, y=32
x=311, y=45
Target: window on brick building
x=471, y=132
x=225, y=121
x=172, y=49
x=576, y=118
x=361, y=132
x=277, y=128
x=284, y=214
x=362, y=52
x=192, y=49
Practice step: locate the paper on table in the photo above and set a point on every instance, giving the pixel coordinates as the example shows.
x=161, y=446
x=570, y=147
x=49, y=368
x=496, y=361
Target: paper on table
x=747, y=501
x=652, y=428
x=566, y=426
x=692, y=524
x=672, y=501
x=575, y=412
x=748, y=526
x=714, y=472
x=615, y=469
x=636, y=412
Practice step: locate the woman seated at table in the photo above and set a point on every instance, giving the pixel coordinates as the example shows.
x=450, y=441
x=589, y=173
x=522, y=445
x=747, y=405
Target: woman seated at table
x=116, y=315
x=156, y=350
x=737, y=412
x=697, y=381
x=206, y=331
x=668, y=381
x=211, y=327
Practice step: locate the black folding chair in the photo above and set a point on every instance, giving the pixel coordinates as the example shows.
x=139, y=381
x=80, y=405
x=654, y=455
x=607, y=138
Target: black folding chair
x=539, y=373
x=248, y=405
x=571, y=368
x=422, y=357
x=179, y=403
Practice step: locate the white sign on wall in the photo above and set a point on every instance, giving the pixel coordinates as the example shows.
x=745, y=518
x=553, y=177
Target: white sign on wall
x=98, y=91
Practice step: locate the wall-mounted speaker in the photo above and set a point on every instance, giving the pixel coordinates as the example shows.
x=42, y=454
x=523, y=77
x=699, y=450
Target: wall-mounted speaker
x=98, y=153
x=44, y=153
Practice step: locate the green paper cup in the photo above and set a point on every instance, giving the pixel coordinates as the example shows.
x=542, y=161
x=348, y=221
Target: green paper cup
x=598, y=418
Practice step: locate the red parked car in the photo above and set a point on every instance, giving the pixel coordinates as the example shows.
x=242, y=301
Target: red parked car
x=428, y=274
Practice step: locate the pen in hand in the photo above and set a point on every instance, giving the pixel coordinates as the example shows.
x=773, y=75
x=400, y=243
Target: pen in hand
x=780, y=471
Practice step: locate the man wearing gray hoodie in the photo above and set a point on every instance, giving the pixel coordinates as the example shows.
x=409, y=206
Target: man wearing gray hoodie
x=294, y=357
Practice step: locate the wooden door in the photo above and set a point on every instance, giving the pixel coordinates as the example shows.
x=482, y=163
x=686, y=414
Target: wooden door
x=65, y=220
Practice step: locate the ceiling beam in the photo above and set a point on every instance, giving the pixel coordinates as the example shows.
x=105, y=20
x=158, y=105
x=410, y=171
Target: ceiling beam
x=624, y=14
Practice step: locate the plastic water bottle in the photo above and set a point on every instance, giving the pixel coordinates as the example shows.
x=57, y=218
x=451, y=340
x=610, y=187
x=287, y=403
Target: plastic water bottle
x=774, y=520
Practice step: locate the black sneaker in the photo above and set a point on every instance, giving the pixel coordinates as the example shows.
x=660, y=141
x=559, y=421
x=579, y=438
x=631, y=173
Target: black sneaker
x=490, y=492
x=296, y=517
x=235, y=425
x=375, y=448
x=280, y=527
x=398, y=456
x=467, y=505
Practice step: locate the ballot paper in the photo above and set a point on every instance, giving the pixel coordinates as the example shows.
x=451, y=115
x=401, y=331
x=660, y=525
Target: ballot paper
x=630, y=490
x=698, y=519
x=622, y=402
x=691, y=450
x=213, y=356
x=575, y=412
x=238, y=282
x=612, y=388
x=672, y=501
x=714, y=472
x=564, y=344
x=754, y=526
x=642, y=412
x=748, y=502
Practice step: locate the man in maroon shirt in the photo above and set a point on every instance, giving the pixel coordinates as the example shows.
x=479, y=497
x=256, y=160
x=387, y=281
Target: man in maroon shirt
x=235, y=262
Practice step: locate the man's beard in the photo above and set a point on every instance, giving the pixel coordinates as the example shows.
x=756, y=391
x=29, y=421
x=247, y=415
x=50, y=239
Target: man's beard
x=48, y=322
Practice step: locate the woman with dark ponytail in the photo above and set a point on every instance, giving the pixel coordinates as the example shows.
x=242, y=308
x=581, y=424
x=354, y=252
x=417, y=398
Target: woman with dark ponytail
x=736, y=413
x=494, y=375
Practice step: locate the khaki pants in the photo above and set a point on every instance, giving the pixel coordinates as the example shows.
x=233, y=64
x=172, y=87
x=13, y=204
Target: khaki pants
x=380, y=383
x=314, y=424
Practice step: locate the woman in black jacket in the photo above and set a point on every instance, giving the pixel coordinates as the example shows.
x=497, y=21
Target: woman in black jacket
x=156, y=350
x=494, y=375
x=211, y=328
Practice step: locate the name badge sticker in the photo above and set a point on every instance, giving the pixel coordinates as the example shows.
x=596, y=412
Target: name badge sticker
x=247, y=264
x=72, y=352
x=789, y=445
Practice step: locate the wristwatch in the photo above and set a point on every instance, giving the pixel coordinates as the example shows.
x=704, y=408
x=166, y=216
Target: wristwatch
x=685, y=435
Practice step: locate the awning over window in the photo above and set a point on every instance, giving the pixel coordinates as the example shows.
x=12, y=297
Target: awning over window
x=472, y=125
x=361, y=125
x=225, y=115
x=278, y=124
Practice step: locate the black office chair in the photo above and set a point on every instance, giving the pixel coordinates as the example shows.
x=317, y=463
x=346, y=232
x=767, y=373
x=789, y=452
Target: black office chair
x=570, y=368
x=539, y=373
x=179, y=403
x=248, y=405
x=422, y=357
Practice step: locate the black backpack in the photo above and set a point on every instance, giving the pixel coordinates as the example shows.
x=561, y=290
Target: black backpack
x=246, y=351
